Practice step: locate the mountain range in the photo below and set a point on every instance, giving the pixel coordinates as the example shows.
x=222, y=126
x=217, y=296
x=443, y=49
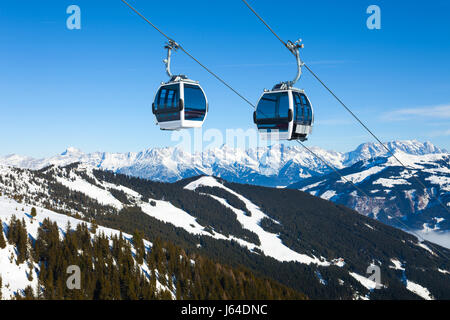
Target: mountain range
x=413, y=199
x=391, y=193
x=274, y=166
x=316, y=248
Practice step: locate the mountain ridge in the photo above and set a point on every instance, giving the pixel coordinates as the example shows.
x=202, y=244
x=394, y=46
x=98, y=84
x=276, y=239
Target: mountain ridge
x=276, y=165
x=273, y=232
x=294, y=167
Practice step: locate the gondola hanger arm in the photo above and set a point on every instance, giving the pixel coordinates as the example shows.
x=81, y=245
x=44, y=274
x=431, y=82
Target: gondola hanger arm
x=171, y=45
x=294, y=48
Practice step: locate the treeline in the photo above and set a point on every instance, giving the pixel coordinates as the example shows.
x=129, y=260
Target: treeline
x=322, y=228
x=209, y=212
x=232, y=199
x=50, y=194
x=116, y=268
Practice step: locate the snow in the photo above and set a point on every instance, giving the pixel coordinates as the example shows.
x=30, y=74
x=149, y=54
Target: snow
x=409, y=160
x=128, y=191
x=419, y=290
x=424, y=246
x=321, y=279
x=360, y=176
x=14, y=276
x=327, y=195
x=166, y=212
x=375, y=211
x=397, y=264
x=391, y=182
x=8, y=208
x=438, y=220
x=311, y=186
x=369, y=226
x=366, y=282
x=439, y=237
x=271, y=244
x=170, y=164
x=358, y=296
x=426, y=228
x=339, y=262
x=205, y=182
x=443, y=182
x=443, y=271
x=102, y=196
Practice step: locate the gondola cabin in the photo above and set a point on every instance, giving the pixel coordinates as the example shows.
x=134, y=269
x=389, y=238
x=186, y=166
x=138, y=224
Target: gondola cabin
x=284, y=113
x=179, y=104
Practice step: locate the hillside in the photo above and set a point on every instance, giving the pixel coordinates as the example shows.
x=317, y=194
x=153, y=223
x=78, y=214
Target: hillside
x=39, y=250
x=309, y=244
x=273, y=166
x=391, y=191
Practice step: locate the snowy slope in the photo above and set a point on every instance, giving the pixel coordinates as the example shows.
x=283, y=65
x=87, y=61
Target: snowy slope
x=77, y=189
x=391, y=192
x=16, y=277
x=81, y=179
x=271, y=244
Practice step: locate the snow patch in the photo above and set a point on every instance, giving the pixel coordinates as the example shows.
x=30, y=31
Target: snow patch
x=271, y=244
x=327, y=195
x=422, y=292
x=391, y=182
x=397, y=264
x=360, y=176
x=366, y=282
x=102, y=196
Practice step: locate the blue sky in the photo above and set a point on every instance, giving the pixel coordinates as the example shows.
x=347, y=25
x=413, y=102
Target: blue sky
x=93, y=88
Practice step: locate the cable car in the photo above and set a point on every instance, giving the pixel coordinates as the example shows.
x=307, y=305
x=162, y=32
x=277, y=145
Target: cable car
x=285, y=112
x=179, y=103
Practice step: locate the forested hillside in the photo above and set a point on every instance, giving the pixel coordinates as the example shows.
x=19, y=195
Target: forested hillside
x=116, y=267
x=311, y=245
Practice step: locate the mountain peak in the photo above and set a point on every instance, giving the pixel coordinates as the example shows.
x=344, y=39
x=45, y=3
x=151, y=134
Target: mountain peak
x=276, y=164
x=372, y=149
x=71, y=151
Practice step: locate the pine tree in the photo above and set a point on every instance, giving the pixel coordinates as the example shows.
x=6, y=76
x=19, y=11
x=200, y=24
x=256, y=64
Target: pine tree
x=139, y=246
x=2, y=238
x=12, y=230
x=94, y=226
x=30, y=274
x=22, y=242
x=28, y=294
x=33, y=212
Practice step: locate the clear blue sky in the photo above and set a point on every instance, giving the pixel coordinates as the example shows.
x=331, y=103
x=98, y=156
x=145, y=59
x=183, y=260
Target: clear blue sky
x=93, y=88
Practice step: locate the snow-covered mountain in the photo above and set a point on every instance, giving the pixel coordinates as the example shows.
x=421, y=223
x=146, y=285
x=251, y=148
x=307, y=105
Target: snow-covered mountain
x=15, y=275
x=274, y=166
x=409, y=199
x=393, y=191
x=271, y=231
